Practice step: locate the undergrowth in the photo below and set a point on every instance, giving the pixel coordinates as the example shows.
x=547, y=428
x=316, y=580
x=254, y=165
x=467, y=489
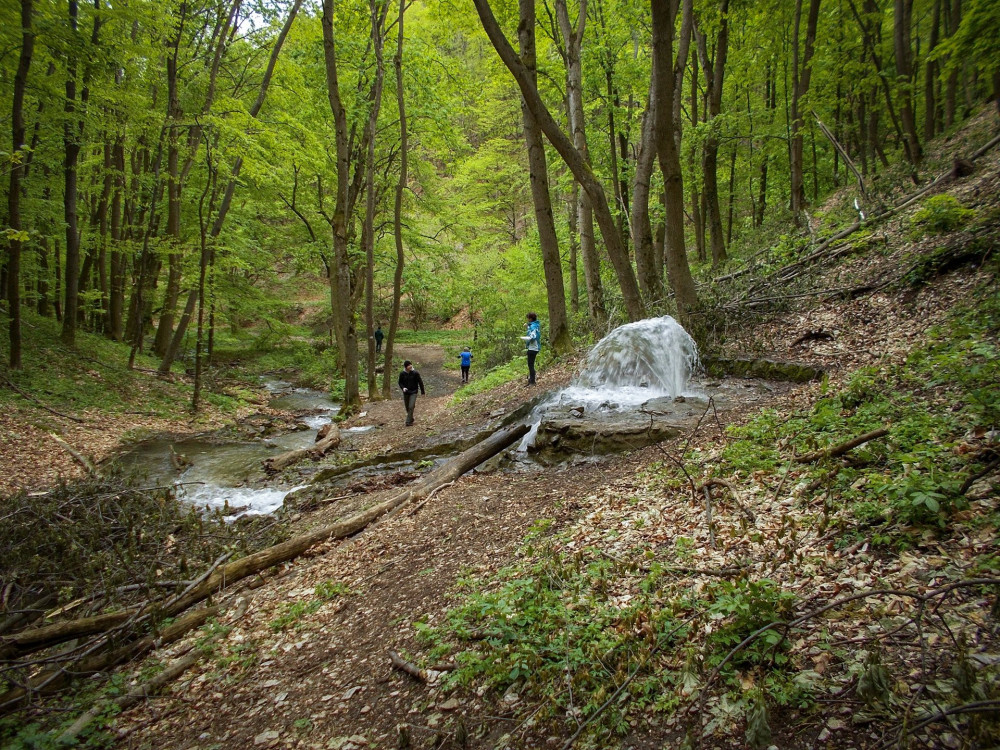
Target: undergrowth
x=568, y=627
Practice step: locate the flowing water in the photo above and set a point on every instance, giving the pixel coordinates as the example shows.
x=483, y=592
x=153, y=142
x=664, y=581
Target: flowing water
x=221, y=474
x=635, y=363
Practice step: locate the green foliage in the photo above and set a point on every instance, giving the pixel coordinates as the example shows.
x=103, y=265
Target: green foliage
x=292, y=613
x=743, y=607
x=941, y=214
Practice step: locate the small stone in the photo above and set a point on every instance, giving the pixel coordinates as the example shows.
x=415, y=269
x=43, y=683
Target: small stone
x=280, y=697
x=365, y=709
x=449, y=705
x=264, y=737
x=824, y=735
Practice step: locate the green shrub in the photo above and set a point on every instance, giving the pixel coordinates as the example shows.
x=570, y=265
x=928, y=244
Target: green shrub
x=941, y=214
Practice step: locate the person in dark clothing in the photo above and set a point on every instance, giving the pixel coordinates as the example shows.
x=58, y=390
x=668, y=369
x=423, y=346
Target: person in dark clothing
x=409, y=382
x=378, y=339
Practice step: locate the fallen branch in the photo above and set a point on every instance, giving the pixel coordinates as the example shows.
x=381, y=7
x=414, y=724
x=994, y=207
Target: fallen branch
x=39, y=404
x=184, y=661
x=428, y=676
x=85, y=462
x=327, y=443
x=52, y=679
x=714, y=481
x=226, y=575
x=839, y=450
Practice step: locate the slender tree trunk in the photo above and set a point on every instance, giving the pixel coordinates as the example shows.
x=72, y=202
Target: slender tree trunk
x=559, y=334
x=165, y=327
x=574, y=246
x=573, y=38
x=930, y=77
x=801, y=74
x=664, y=76
x=953, y=16
x=397, y=213
x=341, y=270
x=649, y=273
x=904, y=77
x=18, y=134
x=574, y=160
x=116, y=301
x=71, y=148
x=696, y=216
x=732, y=195
x=368, y=229
x=714, y=74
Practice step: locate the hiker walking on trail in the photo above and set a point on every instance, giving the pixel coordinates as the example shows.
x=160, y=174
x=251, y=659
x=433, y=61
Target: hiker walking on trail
x=378, y=339
x=466, y=357
x=409, y=382
x=533, y=344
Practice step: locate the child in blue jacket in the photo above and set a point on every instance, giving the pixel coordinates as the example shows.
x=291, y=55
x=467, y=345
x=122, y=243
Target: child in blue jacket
x=466, y=357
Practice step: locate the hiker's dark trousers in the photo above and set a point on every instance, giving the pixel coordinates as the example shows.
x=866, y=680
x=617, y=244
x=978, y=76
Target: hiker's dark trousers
x=409, y=401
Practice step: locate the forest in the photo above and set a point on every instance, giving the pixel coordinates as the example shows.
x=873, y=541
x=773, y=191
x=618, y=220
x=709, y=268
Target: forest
x=211, y=206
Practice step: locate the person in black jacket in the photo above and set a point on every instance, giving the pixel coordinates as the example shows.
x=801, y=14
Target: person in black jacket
x=409, y=382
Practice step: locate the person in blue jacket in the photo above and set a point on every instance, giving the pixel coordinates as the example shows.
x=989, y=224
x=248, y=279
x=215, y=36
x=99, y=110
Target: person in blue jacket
x=466, y=357
x=533, y=344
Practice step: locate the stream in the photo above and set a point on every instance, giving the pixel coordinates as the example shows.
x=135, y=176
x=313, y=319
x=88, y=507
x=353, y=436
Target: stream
x=226, y=473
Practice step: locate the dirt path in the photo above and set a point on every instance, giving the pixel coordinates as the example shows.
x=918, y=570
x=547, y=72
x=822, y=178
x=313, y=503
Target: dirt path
x=301, y=672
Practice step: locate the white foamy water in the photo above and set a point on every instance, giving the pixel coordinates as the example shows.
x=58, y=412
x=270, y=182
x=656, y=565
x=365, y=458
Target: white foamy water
x=243, y=501
x=636, y=362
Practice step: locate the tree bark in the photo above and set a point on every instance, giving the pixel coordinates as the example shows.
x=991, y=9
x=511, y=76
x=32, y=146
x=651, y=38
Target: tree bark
x=650, y=280
x=714, y=75
x=930, y=76
x=562, y=342
x=368, y=228
x=801, y=75
x=573, y=158
x=18, y=134
x=902, y=11
x=675, y=256
x=573, y=39
x=397, y=213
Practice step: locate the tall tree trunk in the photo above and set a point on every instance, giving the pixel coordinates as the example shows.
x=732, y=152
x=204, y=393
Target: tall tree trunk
x=574, y=160
x=341, y=270
x=930, y=76
x=559, y=334
x=116, y=301
x=573, y=39
x=574, y=247
x=397, y=213
x=697, y=218
x=801, y=74
x=650, y=279
x=714, y=74
x=902, y=10
x=72, y=135
x=368, y=229
x=953, y=16
x=664, y=77
x=165, y=327
x=18, y=133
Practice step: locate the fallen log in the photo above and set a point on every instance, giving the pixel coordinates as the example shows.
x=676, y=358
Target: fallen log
x=36, y=639
x=226, y=575
x=190, y=656
x=324, y=444
x=839, y=450
x=50, y=680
